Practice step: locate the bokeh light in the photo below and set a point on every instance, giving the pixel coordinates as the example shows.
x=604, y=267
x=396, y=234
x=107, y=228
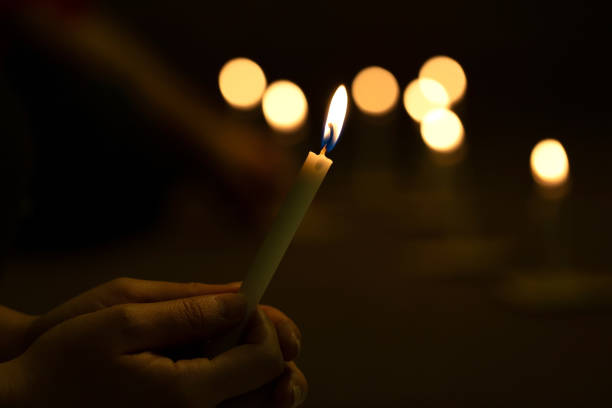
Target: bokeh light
x=549, y=163
x=242, y=83
x=442, y=130
x=423, y=95
x=448, y=73
x=284, y=106
x=375, y=90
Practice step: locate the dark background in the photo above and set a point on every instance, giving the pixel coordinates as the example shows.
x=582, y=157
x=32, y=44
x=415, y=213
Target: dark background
x=415, y=284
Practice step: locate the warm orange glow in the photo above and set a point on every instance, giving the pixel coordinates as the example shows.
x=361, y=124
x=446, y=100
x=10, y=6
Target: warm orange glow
x=448, y=73
x=442, y=130
x=549, y=163
x=375, y=90
x=242, y=83
x=284, y=106
x=423, y=95
x=335, y=118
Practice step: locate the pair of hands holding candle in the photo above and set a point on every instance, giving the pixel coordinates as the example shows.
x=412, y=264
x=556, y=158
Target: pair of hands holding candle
x=102, y=348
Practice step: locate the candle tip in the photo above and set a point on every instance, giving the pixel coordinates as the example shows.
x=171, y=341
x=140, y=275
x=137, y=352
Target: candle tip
x=323, y=150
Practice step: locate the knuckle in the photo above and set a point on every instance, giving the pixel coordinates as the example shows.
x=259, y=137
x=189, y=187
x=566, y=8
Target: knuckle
x=272, y=361
x=121, y=282
x=122, y=288
x=127, y=319
x=193, y=312
x=195, y=285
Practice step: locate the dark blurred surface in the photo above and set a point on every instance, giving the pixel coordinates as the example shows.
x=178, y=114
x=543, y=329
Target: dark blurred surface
x=415, y=284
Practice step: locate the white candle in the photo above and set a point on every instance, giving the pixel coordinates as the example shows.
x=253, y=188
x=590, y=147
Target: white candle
x=289, y=218
x=295, y=206
x=284, y=227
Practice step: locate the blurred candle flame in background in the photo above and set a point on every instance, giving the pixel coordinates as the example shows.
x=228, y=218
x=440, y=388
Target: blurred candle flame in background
x=422, y=95
x=442, y=130
x=549, y=163
x=284, y=106
x=448, y=73
x=242, y=83
x=375, y=90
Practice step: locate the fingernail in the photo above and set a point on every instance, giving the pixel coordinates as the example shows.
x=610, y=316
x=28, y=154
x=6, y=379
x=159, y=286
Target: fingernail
x=298, y=395
x=235, y=284
x=232, y=306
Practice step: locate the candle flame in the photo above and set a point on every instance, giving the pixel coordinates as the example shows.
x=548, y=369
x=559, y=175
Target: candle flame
x=335, y=118
x=549, y=163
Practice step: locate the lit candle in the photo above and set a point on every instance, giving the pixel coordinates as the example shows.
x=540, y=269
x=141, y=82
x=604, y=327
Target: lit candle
x=550, y=170
x=289, y=217
x=549, y=165
x=297, y=202
x=551, y=285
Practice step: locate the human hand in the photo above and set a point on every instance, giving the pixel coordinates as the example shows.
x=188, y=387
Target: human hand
x=122, y=291
x=283, y=392
x=289, y=390
x=20, y=329
x=104, y=358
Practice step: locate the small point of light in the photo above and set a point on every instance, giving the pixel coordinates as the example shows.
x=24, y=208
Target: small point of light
x=422, y=95
x=284, y=106
x=448, y=73
x=549, y=163
x=375, y=90
x=242, y=83
x=441, y=130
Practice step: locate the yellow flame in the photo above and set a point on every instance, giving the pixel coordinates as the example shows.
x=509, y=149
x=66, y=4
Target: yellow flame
x=335, y=117
x=375, y=90
x=422, y=95
x=448, y=73
x=441, y=130
x=549, y=163
x=284, y=106
x=242, y=83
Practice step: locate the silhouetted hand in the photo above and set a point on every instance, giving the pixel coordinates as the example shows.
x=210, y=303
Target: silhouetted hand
x=102, y=344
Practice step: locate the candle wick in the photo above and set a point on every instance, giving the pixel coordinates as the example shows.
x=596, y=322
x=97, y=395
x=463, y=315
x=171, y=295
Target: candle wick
x=328, y=139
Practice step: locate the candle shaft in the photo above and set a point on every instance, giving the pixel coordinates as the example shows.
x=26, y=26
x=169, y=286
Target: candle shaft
x=276, y=243
x=284, y=227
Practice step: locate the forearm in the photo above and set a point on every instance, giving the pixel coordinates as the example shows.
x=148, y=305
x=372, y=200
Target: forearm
x=14, y=328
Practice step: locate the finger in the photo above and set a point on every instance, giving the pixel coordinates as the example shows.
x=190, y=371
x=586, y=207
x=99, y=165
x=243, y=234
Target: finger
x=291, y=388
x=127, y=290
x=146, y=326
x=287, y=391
x=121, y=291
x=241, y=369
x=289, y=335
x=259, y=398
x=154, y=374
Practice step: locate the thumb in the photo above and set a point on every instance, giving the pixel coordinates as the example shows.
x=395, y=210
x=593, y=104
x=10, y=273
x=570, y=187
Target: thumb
x=137, y=327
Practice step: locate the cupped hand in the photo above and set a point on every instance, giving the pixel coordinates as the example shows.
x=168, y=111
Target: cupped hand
x=287, y=390
x=104, y=358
